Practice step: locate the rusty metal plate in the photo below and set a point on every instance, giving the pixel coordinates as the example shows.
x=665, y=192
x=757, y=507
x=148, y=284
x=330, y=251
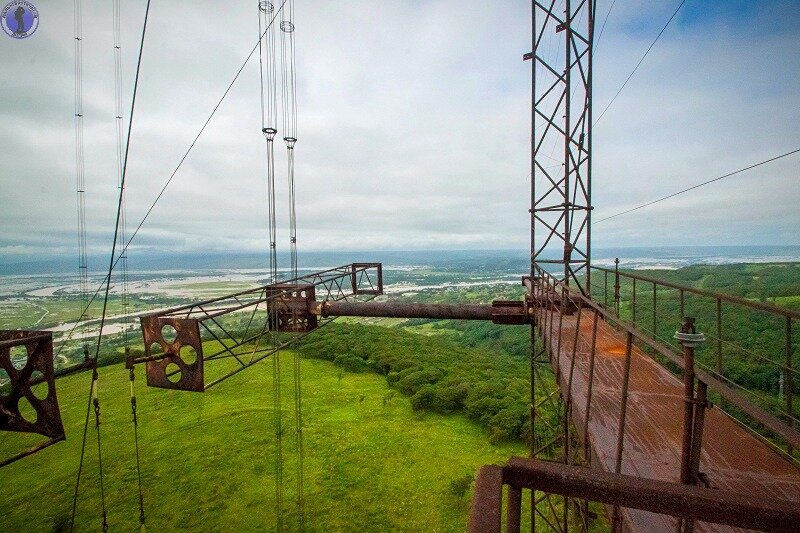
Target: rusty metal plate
x=289, y=307
x=26, y=357
x=178, y=349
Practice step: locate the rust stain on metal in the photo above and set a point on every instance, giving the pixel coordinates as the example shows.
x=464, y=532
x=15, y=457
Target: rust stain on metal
x=33, y=364
x=171, y=370
x=731, y=458
x=288, y=307
x=487, y=504
x=717, y=506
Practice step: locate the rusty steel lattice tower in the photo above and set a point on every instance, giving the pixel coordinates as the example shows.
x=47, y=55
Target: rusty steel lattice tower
x=561, y=137
x=561, y=123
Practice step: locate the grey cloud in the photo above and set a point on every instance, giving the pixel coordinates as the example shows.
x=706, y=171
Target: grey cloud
x=413, y=126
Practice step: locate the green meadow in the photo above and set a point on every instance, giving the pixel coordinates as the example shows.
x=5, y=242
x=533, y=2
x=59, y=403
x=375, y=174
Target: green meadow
x=372, y=463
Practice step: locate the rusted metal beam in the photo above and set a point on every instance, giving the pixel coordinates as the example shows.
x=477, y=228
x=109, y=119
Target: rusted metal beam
x=31, y=450
x=514, y=510
x=487, y=501
x=688, y=402
x=749, y=511
x=403, y=310
x=500, y=312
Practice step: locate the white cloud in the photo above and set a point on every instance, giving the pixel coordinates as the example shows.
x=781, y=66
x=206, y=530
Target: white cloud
x=413, y=127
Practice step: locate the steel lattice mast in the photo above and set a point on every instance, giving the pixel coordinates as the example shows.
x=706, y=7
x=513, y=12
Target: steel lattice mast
x=561, y=125
x=561, y=138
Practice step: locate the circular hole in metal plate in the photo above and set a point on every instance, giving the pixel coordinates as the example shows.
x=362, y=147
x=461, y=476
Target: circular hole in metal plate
x=168, y=333
x=156, y=349
x=40, y=390
x=19, y=356
x=189, y=355
x=26, y=410
x=5, y=383
x=173, y=372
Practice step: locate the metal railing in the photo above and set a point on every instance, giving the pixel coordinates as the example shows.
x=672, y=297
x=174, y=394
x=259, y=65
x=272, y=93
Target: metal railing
x=551, y=300
x=686, y=502
x=751, y=343
x=551, y=291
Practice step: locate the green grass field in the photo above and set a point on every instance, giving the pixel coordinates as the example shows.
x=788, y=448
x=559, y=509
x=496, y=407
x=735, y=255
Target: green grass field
x=207, y=459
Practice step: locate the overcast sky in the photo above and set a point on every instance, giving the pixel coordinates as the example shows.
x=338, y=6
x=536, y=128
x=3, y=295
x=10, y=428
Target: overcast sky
x=413, y=126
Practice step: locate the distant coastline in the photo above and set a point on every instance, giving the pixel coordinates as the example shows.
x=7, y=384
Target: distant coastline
x=657, y=257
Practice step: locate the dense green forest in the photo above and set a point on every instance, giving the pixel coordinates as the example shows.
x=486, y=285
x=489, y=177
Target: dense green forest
x=485, y=375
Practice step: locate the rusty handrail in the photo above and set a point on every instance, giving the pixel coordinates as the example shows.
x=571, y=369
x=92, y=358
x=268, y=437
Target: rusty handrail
x=769, y=308
x=748, y=511
x=788, y=373
x=791, y=435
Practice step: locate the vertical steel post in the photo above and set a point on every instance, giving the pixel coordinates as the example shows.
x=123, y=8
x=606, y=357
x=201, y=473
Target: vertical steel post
x=787, y=377
x=560, y=331
x=616, y=285
x=587, y=452
x=701, y=403
x=567, y=28
x=622, y=416
x=547, y=338
x=655, y=322
x=692, y=434
x=513, y=509
x=688, y=401
x=719, y=336
x=592, y=351
x=590, y=6
x=536, y=287
x=682, y=304
x=574, y=353
x=623, y=402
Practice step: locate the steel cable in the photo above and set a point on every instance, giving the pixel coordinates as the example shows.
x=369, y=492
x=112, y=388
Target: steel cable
x=603, y=27
x=699, y=185
x=269, y=130
x=94, y=397
x=79, y=173
x=105, y=280
x=135, y=419
x=289, y=86
x=639, y=62
x=83, y=451
x=118, y=117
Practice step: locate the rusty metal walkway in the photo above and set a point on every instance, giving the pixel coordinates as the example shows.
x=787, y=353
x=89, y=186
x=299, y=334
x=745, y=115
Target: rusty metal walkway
x=732, y=458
